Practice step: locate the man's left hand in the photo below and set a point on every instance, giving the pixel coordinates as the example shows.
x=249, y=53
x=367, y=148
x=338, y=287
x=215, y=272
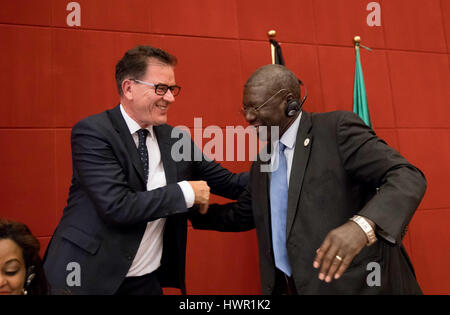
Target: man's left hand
x=338, y=250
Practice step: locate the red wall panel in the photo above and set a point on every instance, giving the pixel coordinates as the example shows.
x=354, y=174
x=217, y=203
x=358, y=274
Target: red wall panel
x=414, y=25
x=118, y=15
x=52, y=75
x=209, y=74
x=429, y=240
x=339, y=21
x=27, y=173
x=25, y=81
x=256, y=17
x=34, y=12
x=199, y=18
x=336, y=74
x=83, y=80
x=445, y=6
x=420, y=87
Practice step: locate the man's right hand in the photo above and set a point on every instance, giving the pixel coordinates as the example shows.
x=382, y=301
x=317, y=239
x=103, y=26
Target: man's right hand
x=201, y=191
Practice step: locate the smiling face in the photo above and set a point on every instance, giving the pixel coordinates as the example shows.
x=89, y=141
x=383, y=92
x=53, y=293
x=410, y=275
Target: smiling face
x=273, y=86
x=271, y=115
x=12, y=268
x=141, y=102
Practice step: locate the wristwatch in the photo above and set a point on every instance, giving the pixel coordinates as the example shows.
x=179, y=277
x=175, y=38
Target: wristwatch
x=366, y=227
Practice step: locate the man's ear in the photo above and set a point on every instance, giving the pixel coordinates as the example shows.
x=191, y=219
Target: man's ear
x=127, y=87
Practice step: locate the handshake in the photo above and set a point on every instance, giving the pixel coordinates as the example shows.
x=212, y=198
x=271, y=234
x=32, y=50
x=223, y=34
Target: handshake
x=201, y=191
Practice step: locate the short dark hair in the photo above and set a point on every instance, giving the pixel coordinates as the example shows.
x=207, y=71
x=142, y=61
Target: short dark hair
x=22, y=236
x=134, y=63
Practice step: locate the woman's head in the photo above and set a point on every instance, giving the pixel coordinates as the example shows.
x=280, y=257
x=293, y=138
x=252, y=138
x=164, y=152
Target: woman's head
x=21, y=268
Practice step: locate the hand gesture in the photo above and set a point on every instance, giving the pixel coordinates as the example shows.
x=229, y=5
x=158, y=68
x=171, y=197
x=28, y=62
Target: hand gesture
x=201, y=191
x=338, y=249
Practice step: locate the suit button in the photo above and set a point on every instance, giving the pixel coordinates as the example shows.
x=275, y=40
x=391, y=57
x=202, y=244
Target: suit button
x=129, y=257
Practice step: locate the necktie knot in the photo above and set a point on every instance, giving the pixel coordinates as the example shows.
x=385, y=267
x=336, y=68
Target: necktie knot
x=281, y=147
x=142, y=133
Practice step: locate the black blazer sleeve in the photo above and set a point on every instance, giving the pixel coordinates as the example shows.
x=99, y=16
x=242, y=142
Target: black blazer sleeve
x=221, y=181
x=231, y=217
x=369, y=160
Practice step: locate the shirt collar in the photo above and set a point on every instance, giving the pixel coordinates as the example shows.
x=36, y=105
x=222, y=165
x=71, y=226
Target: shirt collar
x=132, y=125
x=289, y=137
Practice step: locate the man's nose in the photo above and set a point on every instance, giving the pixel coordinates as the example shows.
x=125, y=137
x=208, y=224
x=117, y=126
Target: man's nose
x=168, y=97
x=250, y=116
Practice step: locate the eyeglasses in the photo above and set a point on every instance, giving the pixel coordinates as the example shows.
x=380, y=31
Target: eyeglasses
x=254, y=110
x=161, y=89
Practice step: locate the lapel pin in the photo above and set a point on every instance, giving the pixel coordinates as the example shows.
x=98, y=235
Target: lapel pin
x=306, y=142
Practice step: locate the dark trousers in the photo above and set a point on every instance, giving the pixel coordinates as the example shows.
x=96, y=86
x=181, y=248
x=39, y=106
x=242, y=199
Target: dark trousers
x=144, y=285
x=284, y=285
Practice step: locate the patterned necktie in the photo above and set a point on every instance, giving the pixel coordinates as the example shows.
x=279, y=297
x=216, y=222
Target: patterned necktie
x=278, y=208
x=143, y=152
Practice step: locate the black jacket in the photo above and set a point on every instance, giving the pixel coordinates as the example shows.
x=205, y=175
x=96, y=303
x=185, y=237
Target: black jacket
x=108, y=206
x=333, y=177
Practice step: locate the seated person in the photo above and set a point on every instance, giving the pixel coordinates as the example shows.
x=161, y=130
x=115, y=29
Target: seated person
x=21, y=270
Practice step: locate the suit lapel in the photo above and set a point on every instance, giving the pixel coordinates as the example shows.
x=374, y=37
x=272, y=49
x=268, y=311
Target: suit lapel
x=262, y=202
x=300, y=161
x=163, y=136
x=124, y=133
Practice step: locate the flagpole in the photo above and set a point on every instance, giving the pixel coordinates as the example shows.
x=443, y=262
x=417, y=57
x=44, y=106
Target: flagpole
x=356, y=41
x=360, y=105
x=271, y=34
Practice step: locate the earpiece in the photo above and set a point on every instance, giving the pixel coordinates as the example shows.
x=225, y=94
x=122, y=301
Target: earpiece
x=293, y=106
x=30, y=276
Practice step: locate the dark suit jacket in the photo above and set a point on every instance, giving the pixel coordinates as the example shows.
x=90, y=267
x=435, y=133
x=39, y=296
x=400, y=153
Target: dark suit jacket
x=333, y=177
x=108, y=206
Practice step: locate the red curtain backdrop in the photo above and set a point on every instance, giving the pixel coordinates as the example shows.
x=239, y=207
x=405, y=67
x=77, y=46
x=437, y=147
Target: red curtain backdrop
x=52, y=75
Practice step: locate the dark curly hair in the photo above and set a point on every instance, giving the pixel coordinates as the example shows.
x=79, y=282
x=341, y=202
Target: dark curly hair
x=22, y=236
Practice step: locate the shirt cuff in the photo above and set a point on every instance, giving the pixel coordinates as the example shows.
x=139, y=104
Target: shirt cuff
x=188, y=193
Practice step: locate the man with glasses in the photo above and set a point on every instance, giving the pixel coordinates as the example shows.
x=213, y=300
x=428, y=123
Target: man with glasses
x=331, y=214
x=124, y=228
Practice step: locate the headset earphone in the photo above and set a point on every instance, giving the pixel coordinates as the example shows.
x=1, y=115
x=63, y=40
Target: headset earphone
x=30, y=275
x=293, y=106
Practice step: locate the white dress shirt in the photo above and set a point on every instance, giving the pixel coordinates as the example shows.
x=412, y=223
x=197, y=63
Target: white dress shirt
x=148, y=256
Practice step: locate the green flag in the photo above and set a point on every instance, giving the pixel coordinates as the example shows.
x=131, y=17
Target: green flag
x=360, y=106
